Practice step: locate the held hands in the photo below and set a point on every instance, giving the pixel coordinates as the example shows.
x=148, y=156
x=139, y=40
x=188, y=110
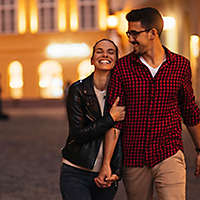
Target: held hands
x=105, y=177
x=197, y=171
x=117, y=112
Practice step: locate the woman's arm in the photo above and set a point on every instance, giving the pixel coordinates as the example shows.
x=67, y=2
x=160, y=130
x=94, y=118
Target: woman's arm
x=77, y=116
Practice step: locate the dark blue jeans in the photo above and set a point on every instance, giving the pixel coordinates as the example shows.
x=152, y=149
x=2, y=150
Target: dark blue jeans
x=77, y=184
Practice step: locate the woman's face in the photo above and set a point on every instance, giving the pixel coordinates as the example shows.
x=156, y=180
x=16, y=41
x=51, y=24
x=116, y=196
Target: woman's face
x=104, y=57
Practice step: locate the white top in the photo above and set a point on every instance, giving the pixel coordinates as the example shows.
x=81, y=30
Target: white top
x=152, y=69
x=101, y=98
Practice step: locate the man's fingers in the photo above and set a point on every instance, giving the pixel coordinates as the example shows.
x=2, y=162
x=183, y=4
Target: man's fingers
x=113, y=178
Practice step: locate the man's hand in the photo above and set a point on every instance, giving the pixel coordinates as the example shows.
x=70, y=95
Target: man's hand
x=104, y=175
x=197, y=172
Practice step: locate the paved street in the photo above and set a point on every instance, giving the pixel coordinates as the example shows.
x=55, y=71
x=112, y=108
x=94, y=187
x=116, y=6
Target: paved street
x=30, y=144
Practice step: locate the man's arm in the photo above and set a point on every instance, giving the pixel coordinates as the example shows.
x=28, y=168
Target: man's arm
x=195, y=133
x=105, y=177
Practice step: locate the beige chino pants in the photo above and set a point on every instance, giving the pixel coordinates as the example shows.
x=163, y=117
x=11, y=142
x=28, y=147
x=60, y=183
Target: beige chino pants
x=168, y=176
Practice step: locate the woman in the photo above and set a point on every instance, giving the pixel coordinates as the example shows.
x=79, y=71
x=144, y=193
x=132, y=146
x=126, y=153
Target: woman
x=88, y=123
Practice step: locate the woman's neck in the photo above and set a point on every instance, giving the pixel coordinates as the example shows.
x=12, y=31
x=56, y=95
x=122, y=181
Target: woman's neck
x=101, y=80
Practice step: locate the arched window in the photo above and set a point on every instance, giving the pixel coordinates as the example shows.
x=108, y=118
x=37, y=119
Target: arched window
x=15, y=72
x=85, y=69
x=51, y=79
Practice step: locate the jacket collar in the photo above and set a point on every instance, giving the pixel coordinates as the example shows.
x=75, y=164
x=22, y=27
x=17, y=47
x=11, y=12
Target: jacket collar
x=88, y=85
x=88, y=90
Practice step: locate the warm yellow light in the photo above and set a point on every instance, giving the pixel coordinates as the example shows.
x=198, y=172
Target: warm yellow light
x=15, y=79
x=74, y=22
x=112, y=21
x=51, y=80
x=73, y=15
x=15, y=83
x=16, y=93
x=169, y=23
x=85, y=69
x=33, y=17
x=122, y=26
x=102, y=18
x=44, y=82
x=15, y=72
x=68, y=50
x=194, y=45
x=62, y=16
x=21, y=17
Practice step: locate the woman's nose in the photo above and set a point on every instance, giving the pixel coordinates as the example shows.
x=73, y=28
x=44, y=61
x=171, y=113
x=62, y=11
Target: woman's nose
x=105, y=54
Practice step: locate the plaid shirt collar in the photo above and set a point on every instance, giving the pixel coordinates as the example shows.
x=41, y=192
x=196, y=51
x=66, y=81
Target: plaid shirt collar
x=170, y=57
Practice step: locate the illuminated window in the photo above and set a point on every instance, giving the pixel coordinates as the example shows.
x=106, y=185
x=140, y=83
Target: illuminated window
x=47, y=15
x=16, y=79
x=50, y=80
x=85, y=69
x=8, y=16
x=88, y=13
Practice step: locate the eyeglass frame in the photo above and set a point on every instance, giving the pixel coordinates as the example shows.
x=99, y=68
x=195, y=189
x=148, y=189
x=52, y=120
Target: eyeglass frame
x=134, y=34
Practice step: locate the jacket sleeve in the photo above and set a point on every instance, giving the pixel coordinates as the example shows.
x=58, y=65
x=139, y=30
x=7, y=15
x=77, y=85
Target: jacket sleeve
x=189, y=109
x=78, y=131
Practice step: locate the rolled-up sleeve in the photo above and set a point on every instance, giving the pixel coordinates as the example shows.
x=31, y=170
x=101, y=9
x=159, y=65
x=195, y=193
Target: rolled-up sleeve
x=189, y=109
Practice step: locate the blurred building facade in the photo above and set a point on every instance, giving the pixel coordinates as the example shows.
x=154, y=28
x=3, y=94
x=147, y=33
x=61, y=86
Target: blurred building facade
x=46, y=43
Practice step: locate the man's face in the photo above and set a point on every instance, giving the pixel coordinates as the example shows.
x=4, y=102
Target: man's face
x=138, y=37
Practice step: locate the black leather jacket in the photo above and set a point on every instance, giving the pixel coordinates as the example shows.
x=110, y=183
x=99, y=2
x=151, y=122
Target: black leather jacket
x=87, y=127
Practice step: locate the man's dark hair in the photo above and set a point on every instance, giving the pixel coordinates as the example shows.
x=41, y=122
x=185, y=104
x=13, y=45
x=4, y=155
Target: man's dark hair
x=149, y=18
x=105, y=39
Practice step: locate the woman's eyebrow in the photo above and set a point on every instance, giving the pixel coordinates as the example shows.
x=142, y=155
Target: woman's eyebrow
x=99, y=48
x=110, y=49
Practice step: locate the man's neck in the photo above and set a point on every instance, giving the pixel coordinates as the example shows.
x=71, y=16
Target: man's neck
x=155, y=55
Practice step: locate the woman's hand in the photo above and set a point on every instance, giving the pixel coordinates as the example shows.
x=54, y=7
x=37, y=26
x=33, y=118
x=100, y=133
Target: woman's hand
x=117, y=112
x=105, y=177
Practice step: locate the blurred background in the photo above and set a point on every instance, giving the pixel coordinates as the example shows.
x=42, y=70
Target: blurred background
x=46, y=44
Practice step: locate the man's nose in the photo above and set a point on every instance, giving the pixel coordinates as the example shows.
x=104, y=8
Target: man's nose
x=132, y=38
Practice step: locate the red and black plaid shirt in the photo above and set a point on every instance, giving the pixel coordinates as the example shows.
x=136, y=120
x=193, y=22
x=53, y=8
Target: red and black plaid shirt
x=151, y=131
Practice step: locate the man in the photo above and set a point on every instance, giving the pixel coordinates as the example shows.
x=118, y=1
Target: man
x=155, y=86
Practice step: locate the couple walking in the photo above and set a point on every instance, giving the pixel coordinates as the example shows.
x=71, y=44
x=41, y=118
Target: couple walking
x=131, y=106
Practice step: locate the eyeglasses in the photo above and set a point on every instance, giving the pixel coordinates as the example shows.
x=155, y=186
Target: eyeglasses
x=134, y=34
